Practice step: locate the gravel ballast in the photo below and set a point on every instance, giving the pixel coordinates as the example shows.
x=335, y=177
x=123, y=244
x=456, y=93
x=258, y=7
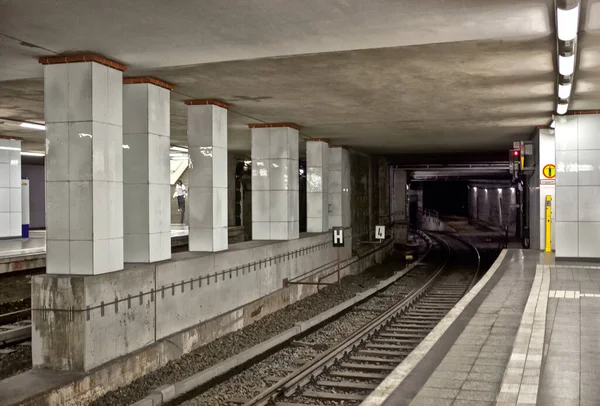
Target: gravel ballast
x=251, y=335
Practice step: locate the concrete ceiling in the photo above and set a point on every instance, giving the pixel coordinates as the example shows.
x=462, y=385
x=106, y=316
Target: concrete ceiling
x=385, y=76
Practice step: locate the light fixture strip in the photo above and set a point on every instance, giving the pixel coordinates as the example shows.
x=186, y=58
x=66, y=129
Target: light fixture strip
x=567, y=23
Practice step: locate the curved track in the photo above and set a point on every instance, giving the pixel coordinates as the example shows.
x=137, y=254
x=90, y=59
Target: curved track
x=351, y=370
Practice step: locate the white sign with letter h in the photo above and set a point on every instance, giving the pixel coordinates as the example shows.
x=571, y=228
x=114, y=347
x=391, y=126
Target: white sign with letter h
x=338, y=236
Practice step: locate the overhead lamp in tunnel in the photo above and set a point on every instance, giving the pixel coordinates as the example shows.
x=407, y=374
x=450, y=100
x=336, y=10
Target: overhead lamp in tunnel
x=564, y=90
x=567, y=23
x=566, y=64
x=33, y=126
x=562, y=108
x=181, y=149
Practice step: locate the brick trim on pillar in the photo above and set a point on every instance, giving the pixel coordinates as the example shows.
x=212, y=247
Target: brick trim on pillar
x=7, y=137
x=148, y=79
x=52, y=60
x=317, y=139
x=581, y=112
x=274, y=125
x=201, y=102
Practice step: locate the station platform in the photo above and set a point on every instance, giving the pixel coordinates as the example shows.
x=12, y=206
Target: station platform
x=528, y=333
x=22, y=254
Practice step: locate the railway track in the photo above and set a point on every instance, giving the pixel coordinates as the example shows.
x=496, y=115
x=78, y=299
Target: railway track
x=15, y=327
x=350, y=370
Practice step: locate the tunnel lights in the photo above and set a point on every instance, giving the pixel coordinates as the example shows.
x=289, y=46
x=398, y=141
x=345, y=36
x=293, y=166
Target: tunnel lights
x=23, y=153
x=33, y=126
x=567, y=22
x=181, y=149
x=566, y=64
x=500, y=190
x=475, y=188
x=564, y=90
x=561, y=108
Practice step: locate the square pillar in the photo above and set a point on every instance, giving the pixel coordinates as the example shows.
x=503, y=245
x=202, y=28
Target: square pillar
x=83, y=109
x=317, y=186
x=339, y=187
x=577, y=146
x=275, y=182
x=207, y=144
x=146, y=170
x=10, y=187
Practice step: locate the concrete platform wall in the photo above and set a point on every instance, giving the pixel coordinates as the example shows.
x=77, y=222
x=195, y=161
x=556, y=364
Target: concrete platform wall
x=82, y=322
x=83, y=389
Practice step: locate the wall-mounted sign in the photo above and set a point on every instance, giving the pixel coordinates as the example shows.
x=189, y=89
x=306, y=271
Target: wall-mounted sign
x=337, y=235
x=549, y=171
x=380, y=232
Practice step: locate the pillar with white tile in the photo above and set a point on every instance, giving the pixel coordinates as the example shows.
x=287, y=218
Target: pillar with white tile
x=275, y=182
x=146, y=170
x=10, y=187
x=339, y=187
x=83, y=109
x=207, y=205
x=578, y=185
x=317, y=186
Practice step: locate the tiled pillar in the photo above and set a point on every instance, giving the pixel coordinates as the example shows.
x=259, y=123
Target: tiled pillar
x=207, y=206
x=146, y=170
x=317, y=186
x=578, y=185
x=275, y=183
x=10, y=187
x=339, y=187
x=346, y=189
x=83, y=108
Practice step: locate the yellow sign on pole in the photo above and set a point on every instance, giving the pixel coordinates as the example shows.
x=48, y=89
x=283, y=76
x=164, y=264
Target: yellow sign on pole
x=549, y=171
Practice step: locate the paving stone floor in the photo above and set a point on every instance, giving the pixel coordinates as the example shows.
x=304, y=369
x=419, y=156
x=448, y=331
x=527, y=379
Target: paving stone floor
x=571, y=369
x=471, y=372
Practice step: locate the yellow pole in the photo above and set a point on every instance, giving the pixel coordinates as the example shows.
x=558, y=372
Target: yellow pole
x=548, y=222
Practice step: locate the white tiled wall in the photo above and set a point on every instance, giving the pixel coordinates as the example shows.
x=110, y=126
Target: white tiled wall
x=84, y=171
x=335, y=187
x=317, y=183
x=146, y=182
x=275, y=188
x=339, y=187
x=10, y=188
x=578, y=186
x=207, y=199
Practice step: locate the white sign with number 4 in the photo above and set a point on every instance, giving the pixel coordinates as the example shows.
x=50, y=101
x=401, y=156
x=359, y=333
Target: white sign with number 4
x=380, y=232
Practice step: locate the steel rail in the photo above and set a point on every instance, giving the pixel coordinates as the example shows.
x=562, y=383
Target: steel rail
x=288, y=385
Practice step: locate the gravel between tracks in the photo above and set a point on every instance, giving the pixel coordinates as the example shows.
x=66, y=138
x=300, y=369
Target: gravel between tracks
x=9, y=307
x=251, y=335
x=16, y=362
x=259, y=376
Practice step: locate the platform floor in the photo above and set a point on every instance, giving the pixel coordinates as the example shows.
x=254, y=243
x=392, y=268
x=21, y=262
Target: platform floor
x=530, y=336
x=36, y=243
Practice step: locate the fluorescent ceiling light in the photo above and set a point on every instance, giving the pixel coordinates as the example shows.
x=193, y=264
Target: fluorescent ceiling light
x=33, y=126
x=179, y=149
x=567, y=22
x=566, y=64
x=32, y=153
x=564, y=90
x=562, y=108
